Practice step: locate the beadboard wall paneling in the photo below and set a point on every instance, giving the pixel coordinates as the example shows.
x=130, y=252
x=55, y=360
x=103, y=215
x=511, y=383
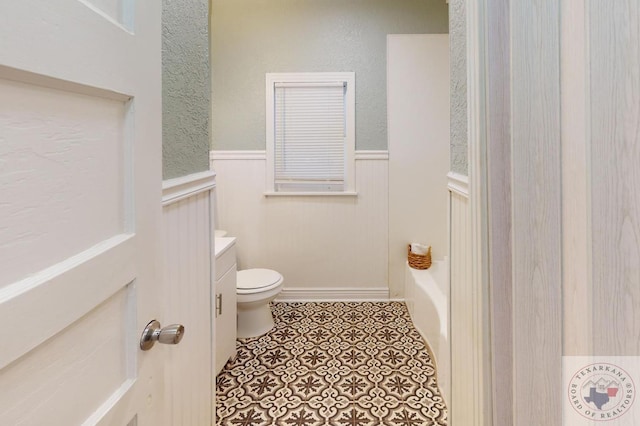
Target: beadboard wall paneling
x=187, y=280
x=240, y=204
x=461, y=306
x=313, y=241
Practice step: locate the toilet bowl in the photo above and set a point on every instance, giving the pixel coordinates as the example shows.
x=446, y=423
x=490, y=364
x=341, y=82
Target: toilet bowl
x=255, y=289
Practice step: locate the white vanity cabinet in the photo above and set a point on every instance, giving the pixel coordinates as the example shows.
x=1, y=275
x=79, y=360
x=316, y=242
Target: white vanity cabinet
x=225, y=301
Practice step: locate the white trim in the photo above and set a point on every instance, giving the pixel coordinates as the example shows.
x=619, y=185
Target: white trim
x=103, y=416
x=216, y=155
x=476, y=101
x=382, y=154
x=174, y=190
x=333, y=294
x=458, y=183
x=48, y=289
x=312, y=194
x=271, y=79
x=238, y=155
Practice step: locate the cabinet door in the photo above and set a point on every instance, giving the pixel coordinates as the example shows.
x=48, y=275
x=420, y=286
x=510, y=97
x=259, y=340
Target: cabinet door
x=225, y=318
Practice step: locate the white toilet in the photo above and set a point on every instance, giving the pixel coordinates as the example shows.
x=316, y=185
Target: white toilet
x=255, y=289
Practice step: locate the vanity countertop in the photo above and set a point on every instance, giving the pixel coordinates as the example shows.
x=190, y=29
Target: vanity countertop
x=222, y=244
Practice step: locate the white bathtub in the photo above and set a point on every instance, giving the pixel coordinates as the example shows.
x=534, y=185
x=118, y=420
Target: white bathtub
x=427, y=298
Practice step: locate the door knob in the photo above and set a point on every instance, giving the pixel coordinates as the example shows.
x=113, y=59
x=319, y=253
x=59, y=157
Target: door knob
x=170, y=335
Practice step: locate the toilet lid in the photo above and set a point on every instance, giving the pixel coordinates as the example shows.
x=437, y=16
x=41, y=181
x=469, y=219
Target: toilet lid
x=252, y=279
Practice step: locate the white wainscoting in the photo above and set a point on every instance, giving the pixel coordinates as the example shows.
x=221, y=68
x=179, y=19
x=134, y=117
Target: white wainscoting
x=187, y=274
x=326, y=247
x=461, y=302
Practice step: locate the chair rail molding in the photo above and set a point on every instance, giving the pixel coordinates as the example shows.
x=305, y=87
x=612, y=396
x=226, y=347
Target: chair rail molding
x=381, y=154
x=238, y=155
x=174, y=190
x=372, y=155
x=458, y=183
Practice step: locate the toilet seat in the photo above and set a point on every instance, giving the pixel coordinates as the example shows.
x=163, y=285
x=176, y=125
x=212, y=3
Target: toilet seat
x=257, y=280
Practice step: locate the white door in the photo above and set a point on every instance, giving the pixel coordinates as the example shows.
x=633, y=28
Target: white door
x=80, y=190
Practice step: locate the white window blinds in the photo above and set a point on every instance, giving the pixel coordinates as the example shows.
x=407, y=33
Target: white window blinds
x=309, y=136
x=310, y=133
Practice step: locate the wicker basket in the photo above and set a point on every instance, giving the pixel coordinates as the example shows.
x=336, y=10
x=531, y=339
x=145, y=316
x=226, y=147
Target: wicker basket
x=419, y=261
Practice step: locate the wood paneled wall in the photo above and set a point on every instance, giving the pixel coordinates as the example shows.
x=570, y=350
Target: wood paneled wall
x=613, y=88
x=461, y=312
x=499, y=196
x=575, y=212
x=562, y=105
x=187, y=280
x=536, y=212
x=318, y=243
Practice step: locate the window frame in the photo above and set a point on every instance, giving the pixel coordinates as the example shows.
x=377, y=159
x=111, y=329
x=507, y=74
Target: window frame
x=348, y=78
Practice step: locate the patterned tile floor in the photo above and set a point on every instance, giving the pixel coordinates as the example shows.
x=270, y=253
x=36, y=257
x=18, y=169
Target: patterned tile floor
x=334, y=364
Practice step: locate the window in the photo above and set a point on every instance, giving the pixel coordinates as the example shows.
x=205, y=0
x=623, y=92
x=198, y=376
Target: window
x=310, y=132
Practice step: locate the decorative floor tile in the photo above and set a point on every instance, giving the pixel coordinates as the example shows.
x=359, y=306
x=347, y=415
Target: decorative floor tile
x=332, y=364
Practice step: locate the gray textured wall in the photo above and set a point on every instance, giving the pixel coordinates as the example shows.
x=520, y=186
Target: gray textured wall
x=186, y=93
x=457, y=40
x=253, y=37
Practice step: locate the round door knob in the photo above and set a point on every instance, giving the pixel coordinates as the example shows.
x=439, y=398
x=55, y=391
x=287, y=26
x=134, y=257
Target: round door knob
x=170, y=335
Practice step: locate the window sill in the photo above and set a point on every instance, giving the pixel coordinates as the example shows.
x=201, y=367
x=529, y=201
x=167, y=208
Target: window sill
x=312, y=194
